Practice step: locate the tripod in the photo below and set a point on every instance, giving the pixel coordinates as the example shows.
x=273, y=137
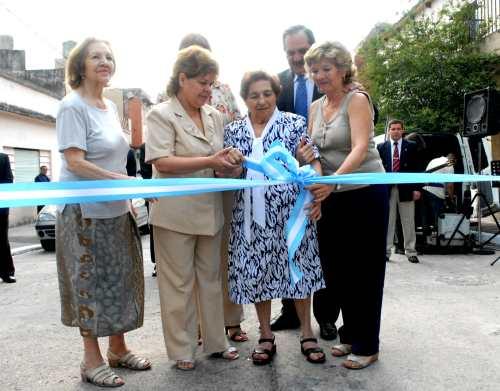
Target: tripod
x=481, y=250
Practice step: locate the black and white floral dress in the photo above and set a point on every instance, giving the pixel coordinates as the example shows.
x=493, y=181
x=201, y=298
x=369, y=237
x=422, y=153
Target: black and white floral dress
x=258, y=256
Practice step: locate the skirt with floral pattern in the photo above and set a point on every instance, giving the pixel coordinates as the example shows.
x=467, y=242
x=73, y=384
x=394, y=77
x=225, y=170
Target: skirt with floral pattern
x=100, y=270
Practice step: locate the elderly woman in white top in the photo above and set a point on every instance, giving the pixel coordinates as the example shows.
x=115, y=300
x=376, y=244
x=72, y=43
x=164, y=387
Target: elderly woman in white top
x=99, y=256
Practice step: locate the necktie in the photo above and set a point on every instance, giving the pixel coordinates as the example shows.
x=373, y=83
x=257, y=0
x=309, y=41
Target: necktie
x=301, y=96
x=395, y=158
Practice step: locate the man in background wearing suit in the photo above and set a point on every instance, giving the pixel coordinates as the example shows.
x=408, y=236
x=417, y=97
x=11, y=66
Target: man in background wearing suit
x=297, y=93
x=6, y=263
x=399, y=155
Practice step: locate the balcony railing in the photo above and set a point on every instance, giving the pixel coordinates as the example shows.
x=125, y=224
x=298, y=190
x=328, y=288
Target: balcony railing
x=488, y=11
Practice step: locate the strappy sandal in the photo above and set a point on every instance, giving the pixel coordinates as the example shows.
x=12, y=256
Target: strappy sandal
x=102, y=376
x=309, y=351
x=231, y=353
x=128, y=360
x=259, y=351
x=359, y=362
x=185, y=365
x=238, y=336
x=341, y=350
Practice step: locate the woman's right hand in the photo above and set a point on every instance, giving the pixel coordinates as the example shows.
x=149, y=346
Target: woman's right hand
x=305, y=152
x=226, y=159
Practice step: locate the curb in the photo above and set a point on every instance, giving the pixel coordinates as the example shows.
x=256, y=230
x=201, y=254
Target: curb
x=26, y=249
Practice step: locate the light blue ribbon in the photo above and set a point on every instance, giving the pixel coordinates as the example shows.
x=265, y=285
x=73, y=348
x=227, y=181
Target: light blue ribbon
x=278, y=164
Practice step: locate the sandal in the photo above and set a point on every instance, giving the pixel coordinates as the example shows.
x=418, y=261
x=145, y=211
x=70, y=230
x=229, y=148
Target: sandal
x=231, y=353
x=341, y=350
x=128, y=360
x=185, y=365
x=259, y=351
x=238, y=336
x=101, y=376
x=307, y=352
x=359, y=362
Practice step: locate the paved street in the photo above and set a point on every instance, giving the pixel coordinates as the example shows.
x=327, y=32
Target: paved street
x=440, y=331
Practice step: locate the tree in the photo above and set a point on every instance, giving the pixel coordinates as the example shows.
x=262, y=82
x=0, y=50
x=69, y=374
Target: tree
x=419, y=69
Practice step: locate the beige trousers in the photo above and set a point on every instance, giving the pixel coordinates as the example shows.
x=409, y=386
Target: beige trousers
x=189, y=281
x=407, y=216
x=233, y=313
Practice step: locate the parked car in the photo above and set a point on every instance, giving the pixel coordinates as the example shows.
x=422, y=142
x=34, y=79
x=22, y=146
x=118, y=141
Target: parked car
x=45, y=223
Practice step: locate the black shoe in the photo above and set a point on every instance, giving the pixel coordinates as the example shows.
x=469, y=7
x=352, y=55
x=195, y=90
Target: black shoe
x=413, y=259
x=283, y=322
x=154, y=272
x=327, y=331
x=8, y=279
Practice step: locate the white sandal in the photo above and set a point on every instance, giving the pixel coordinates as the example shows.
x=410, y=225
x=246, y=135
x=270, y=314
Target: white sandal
x=341, y=350
x=354, y=361
x=231, y=353
x=101, y=376
x=128, y=360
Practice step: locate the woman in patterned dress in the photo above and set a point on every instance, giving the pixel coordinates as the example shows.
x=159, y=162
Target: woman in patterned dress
x=99, y=256
x=258, y=256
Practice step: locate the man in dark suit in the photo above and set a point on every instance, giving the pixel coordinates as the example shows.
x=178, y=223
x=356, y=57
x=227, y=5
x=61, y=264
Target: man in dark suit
x=399, y=155
x=42, y=177
x=6, y=263
x=297, y=93
x=296, y=41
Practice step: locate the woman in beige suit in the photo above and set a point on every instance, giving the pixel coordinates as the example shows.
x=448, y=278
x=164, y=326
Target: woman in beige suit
x=185, y=139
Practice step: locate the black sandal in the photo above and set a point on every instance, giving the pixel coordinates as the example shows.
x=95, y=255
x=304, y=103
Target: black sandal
x=308, y=352
x=270, y=353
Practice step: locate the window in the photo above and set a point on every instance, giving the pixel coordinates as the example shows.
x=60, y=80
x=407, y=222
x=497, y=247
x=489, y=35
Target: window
x=26, y=164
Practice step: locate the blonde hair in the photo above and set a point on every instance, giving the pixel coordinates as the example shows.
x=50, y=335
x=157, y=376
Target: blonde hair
x=335, y=53
x=193, y=61
x=75, y=65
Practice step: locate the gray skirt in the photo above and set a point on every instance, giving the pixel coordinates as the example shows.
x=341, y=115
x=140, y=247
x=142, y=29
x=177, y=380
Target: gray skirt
x=100, y=270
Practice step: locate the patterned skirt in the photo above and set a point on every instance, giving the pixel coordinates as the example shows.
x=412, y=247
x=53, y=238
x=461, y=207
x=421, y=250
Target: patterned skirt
x=100, y=270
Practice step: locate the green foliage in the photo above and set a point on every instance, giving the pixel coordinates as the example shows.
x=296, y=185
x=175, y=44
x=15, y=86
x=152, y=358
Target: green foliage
x=419, y=69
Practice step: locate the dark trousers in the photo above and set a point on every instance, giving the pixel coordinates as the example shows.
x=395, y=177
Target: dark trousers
x=352, y=249
x=6, y=263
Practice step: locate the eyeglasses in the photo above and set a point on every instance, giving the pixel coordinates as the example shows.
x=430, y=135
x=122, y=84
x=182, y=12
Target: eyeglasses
x=291, y=53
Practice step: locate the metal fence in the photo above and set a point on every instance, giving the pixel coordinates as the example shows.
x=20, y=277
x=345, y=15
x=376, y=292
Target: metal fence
x=488, y=11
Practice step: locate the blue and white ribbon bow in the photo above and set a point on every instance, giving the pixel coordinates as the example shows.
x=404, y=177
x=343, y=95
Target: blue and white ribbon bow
x=279, y=165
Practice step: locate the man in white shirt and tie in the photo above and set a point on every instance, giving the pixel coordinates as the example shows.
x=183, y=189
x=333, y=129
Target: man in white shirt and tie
x=399, y=155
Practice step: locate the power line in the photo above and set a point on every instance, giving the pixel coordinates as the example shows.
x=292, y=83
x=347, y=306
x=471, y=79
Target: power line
x=31, y=29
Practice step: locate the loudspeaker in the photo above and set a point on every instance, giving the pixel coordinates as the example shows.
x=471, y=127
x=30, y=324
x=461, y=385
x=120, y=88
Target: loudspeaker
x=481, y=113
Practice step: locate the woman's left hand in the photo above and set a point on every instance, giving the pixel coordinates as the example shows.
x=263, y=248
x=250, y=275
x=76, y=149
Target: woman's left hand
x=314, y=210
x=320, y=191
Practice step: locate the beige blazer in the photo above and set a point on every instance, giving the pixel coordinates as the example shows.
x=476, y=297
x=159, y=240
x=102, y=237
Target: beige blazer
x=171, y=132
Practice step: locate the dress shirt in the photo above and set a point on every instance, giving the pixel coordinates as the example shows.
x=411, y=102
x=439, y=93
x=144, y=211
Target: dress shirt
x=400, y=143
